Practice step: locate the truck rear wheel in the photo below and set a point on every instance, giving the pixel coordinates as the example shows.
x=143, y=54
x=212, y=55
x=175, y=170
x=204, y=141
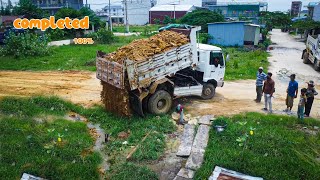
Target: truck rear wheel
x=160, y=102
x=208, y=91
x=315, y=65
x=306, y=58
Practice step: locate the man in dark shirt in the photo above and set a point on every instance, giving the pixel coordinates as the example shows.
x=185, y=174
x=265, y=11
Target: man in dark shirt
x=268, y=90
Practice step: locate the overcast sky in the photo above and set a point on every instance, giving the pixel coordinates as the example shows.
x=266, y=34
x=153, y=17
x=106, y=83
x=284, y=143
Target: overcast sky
x=274, y=5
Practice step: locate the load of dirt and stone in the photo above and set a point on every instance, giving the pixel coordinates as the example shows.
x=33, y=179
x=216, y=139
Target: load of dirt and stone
x=142, y=49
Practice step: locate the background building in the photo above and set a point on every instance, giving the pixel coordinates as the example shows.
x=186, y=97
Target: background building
x=295, y=8
x=138, y=11
x=314, y=10
x=240, y=10
x=159, y=12
x=206, y=3
x=54, y=5
x=227, y=33
x=116, y=12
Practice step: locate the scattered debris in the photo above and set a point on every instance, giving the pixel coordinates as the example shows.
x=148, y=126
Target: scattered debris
x=26, y=176
x=123, y=135
x=93, y=132
x=137, y=147
x=220, y=173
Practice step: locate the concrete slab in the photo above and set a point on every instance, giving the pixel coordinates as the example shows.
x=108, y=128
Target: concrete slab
x=206, y=119
x=186, y=173
x=186, y=141
x=198, y=148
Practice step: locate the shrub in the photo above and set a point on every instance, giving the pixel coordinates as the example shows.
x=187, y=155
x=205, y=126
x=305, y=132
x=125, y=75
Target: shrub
x=25, y=44
x=102, y=36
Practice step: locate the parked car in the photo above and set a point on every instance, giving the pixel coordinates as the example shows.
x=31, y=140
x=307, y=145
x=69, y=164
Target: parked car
x=7, y=31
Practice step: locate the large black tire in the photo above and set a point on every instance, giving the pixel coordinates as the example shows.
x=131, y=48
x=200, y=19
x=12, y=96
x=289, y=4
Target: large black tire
x=317, y=68
x=305, y=58
x=208, y=91
x=160, y=102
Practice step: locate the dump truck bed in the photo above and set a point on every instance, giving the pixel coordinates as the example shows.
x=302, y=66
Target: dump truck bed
x=140, y=74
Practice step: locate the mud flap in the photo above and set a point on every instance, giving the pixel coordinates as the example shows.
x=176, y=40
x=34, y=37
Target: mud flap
x=136, y=104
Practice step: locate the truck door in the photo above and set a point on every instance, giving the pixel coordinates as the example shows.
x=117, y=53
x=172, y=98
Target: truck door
x=217, y=65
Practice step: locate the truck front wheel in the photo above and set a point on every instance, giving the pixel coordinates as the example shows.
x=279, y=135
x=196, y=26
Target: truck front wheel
x=305, y=58
x=208, y=91
x=160, y=102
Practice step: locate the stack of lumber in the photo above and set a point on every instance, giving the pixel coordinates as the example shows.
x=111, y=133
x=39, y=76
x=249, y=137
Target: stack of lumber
x=142, y=49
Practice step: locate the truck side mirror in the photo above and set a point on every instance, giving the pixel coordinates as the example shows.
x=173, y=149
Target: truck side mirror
x=228, y=58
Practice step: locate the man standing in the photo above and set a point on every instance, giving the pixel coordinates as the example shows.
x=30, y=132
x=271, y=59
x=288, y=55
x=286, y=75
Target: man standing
x=292, y=92
x=268, y=90
x=261, y=76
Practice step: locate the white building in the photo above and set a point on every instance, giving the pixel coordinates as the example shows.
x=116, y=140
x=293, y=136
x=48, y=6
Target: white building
x=116, y=12
x=138, y=11
x=197, y=3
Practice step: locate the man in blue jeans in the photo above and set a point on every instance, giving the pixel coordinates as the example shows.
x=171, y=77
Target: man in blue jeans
x=292, y=92
x=261, y=77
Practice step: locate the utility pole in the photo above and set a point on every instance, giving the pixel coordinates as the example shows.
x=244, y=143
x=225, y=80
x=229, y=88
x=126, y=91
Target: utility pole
x=1, y=3
x=174, y=11
x=110, y=19
x=126, y=15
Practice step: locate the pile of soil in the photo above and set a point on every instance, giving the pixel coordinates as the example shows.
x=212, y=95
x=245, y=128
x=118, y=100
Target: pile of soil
x=142, y=49
x=115, y=100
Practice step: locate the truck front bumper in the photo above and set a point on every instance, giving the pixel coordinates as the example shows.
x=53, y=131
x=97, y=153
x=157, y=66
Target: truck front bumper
x=220, y=83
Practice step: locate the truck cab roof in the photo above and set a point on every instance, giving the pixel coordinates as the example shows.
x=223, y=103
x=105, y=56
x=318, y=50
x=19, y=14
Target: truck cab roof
x=207, y=47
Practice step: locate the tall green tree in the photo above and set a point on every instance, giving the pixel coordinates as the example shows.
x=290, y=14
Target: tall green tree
x=27, y=9
x=202, y=18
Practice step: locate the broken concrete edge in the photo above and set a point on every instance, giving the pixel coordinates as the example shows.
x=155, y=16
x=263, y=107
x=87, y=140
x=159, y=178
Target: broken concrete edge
x=206, y=120
x=187, y=139
x=186, y=173
x=218, y=170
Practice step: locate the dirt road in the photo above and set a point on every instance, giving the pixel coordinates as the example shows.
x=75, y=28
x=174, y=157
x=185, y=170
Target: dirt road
x=235, y=97
x=76, y=86
x=238, y=96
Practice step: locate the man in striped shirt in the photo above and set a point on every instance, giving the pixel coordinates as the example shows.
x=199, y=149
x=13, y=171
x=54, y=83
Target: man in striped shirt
x=261, y=77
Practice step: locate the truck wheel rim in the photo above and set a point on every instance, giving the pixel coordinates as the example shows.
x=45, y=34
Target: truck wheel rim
x=161, y=104
x=207, y=92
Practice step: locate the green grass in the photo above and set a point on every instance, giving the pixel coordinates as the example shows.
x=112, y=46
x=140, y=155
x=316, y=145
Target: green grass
x=28, y=146
x=135, y=28
x=278, y=149
x=244, y=63
x=130, y=171
x=25, y=110
x=69, y=57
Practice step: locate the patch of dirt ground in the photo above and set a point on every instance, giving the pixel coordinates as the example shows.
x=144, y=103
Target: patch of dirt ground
x=79, y=87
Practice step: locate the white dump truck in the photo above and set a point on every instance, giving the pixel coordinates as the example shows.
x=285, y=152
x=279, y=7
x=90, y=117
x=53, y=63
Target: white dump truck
x=312, y=52
x=192, y=69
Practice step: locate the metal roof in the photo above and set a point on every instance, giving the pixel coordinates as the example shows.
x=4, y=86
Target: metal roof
x=208, y=47
x=229, y=22
x=172, y=8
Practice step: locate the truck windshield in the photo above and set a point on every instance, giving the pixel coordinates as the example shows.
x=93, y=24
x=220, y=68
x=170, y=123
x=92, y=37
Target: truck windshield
x=216, y=59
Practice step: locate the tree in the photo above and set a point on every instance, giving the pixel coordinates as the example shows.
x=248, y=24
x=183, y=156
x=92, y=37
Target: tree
x=202, y=18
x=168, y=20
x=28, y=10
x=275, y=19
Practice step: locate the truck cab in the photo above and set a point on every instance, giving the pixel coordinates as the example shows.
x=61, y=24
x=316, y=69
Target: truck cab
x=212, y=63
